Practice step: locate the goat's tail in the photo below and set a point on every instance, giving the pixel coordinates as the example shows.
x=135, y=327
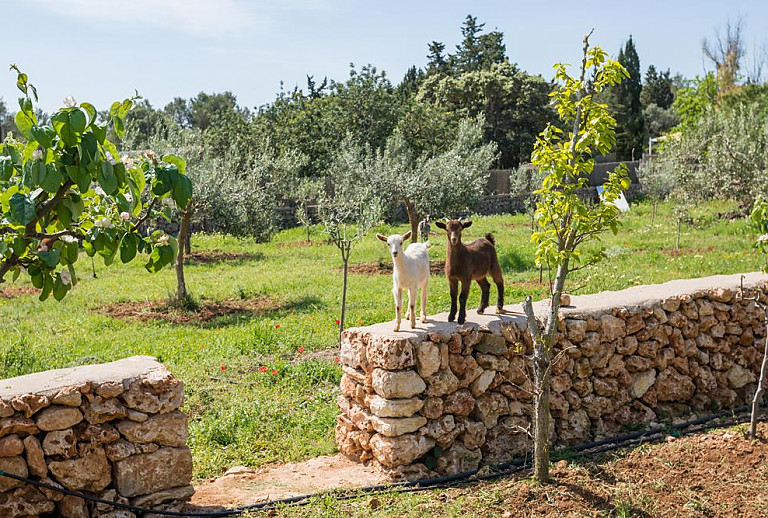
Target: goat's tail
x=490, y=238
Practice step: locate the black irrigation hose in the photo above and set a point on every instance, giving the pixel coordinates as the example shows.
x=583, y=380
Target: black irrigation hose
x=497, y=471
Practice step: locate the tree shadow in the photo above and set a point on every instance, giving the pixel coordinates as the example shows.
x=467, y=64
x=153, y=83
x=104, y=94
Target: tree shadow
x=512, y=260
x=213, y=257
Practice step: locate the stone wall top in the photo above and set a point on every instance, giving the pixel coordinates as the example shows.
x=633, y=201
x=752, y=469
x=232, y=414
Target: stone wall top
x=49, y=382
x=603, y=302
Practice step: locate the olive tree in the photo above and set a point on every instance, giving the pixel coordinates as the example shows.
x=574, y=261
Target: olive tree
x=352, y=207
x=564, y=219
x=445, y=182
x=65, y=183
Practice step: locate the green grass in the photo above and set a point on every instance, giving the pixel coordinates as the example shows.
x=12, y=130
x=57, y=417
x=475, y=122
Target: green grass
x=242, y=416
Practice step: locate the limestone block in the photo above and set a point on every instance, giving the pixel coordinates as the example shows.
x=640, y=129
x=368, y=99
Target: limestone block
x=612, y=328
x=149, y=473
x=482, y=383
x=390, y=353
x=15, y=466
x=492, y=344
x=672, y=386
x=60, y=442
x=397, y=384
x=575, y=329
x=738, y=376
x=489, y=407
x=33, y=452
x=433, y=407
x=100, y=410
x=458, y=459
x=459, y=403
x=492, y=362
x=642, y=381
x=99, y=434
x=68, y=396
x=395, y=426
x=176, y=494
x=11, y=446
x=442, y=383
x=353, y=350
x=58, y=418
x=398, y=451
x=163, y=429
x=474, y=434
x=90, y=472
x=393, y=407
x=29, y=403
x=427, y=358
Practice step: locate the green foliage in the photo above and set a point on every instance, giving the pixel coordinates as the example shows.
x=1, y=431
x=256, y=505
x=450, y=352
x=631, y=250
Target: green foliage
x=693, y=99
x=67, y=183
x=657, y=89
x=759, y=219
x=629, y=115
x=564, y=219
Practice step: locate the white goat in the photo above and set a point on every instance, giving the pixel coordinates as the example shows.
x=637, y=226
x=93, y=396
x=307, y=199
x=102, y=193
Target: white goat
x=411, y=272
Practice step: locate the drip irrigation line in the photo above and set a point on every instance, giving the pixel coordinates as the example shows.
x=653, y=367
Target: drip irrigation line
x=448, y=481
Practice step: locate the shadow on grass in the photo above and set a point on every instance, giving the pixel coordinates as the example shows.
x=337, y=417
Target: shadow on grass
x=208, y=257
x=207, y=313
x=513, y=261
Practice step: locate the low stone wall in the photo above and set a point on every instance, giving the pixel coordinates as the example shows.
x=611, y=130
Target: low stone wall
x=446, y=398
x=113, y=431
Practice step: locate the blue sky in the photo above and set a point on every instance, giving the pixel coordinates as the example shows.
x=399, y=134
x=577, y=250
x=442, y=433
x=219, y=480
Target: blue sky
x=101, y=50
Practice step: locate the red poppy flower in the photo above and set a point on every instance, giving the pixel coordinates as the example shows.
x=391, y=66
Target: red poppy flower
x=274, y=372
x=301, y=350
x=338, y=321
x=336, y=360
x=223, y=367
x=263, y=368
x=277, y=326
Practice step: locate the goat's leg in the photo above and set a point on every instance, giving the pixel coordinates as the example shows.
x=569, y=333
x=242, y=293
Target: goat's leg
x=453, y=284
x=463, y=296
x=398, y=306
x=412, y=305
x=424, y=301
x=485, y=293
x=498, y=279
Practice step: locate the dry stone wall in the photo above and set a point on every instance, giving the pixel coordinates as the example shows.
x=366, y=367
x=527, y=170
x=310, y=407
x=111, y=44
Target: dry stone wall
x=445, y=398
x=113, y=431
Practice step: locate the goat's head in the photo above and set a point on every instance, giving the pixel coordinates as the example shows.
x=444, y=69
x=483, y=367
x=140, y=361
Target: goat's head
x=453, y=229
x=394, y=242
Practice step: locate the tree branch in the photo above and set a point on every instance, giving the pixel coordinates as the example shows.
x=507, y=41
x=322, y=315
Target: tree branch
x=47, y=207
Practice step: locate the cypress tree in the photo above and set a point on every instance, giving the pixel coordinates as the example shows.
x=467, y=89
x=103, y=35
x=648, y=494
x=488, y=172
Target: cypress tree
x=629, y=116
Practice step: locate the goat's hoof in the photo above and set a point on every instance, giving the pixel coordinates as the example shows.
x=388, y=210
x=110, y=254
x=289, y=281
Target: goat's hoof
x=451, y=319
x=480, y=311
x=424, y=319
x=397, y=328
x=413, y=325
x=501, y=311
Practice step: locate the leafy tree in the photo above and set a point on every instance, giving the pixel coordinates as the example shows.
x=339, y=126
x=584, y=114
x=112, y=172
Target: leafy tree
x=7, y=125
x=352, y=208
x=658, y=121
x=514, y=105
x=67, y=183
x=629, y=115
x=305, y=192
x=441, y=183
x=658, y=89
x=564, y=220
x=693, y=99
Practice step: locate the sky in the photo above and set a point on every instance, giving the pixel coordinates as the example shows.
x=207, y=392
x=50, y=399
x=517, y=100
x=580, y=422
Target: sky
x=103, y=50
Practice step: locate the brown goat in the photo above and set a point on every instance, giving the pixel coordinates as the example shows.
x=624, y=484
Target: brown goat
x=467, y=263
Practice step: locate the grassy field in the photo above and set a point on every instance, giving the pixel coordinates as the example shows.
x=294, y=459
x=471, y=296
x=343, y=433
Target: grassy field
x=240, y=415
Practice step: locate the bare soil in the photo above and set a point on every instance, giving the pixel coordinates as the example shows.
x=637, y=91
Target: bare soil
x=215, y=256
x=385, y=268
x=716, y=474
x=12, y=292
x=295, y=244
x=207, y=310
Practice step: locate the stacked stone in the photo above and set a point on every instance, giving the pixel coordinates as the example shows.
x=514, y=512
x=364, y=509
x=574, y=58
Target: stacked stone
x=449, y=398
x=112, y=431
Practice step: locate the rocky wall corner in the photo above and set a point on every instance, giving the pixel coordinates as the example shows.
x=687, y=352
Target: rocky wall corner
x=445, y=398
x=113, y=431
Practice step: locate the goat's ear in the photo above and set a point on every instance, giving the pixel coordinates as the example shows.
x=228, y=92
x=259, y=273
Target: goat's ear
x=407, y=236
x=465, y=224
x=440, y=224
x=381, y=237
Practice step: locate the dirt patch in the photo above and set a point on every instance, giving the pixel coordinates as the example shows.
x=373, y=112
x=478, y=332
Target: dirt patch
x=12, y=292
x=295, y=244
x=385, y=268
x=717, y=474
x=206, y=311
x=215, y=256
x=323, y=355
x=244, y=486
x=672, y=252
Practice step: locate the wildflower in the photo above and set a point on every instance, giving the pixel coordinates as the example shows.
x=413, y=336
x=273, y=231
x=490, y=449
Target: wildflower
x=223, y=368
x=338, y=321
x=274, y=372
x=128, y=161
x=277, y=326
x=37, y=154
x=263, y=368
x=128, y=197
x=98, y=190
x=125, y=216
x=69, y=239
x=164, y=240
x=110, y=158
x=168, y=202
x=762, y=238
x=301, y=350
x=66, y=277
x=336, y=360
x=69, y=102
x=103, y=222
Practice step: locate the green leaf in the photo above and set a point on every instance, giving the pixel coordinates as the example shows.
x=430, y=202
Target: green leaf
x=89, y=109
x=51, y=258
x=59, y=289
x=44, y=135
x=22, y=208
x=51, y=179
x=107, y=179
x=6, y=167
x=24, y=123
x=63, y=124
x=47, y=287
x=182, y=191
x=89, y=148
x=78, y=119
x=100, y=132
x=177, y=161
x=128, y=247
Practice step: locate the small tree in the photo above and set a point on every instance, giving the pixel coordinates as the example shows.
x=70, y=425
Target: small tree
x=349, y=212
x=67, y=183
x=564, y=219
x=759, y=217
x=305, y=192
